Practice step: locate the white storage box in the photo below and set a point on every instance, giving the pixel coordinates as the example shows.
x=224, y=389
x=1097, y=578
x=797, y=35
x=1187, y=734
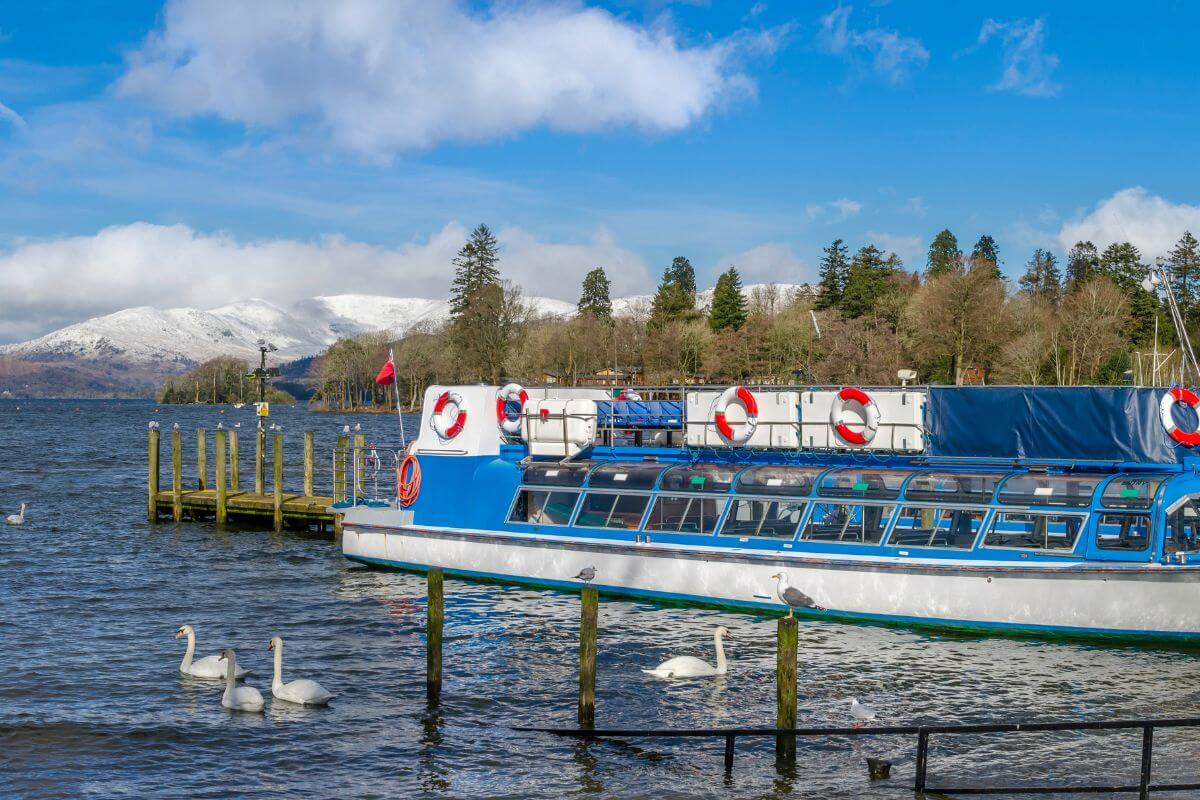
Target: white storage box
x=778, y=420
x=901, y=421
x=560, y=428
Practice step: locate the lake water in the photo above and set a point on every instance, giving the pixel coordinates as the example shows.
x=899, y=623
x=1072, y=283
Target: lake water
x=92, y=703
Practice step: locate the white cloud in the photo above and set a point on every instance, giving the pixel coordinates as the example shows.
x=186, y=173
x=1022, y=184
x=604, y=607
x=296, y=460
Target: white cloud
x=1028, y=68
x=47, y=284
x=14, y=119
x=770, y=263
x=911, y=249
x=892, y=56
x=915, y=206
x=1152, y=223
x=381, y=76
x=834, y=211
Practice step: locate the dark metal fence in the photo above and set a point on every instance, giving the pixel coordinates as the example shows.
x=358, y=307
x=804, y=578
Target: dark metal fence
x=923, y=733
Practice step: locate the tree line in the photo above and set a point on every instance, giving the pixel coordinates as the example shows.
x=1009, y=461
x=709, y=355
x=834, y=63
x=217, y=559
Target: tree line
x=956, y=320
x=218, y=380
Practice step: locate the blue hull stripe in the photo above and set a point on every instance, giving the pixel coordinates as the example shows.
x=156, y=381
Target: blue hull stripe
x=832, y=615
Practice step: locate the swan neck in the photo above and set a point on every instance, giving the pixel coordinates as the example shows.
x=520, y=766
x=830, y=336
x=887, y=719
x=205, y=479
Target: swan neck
x=230, y=672
x=278, y=680
x=720, y=652
x=188, y=651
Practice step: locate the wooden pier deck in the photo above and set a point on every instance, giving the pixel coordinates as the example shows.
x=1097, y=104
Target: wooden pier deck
x=218, y=495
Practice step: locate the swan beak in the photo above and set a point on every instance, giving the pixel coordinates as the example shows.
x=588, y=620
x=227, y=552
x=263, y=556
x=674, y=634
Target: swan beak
x=270, y=645
x=179, y=634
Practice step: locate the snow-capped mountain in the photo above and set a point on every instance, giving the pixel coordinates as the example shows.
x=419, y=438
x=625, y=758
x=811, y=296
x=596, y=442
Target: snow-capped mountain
x=136, y=347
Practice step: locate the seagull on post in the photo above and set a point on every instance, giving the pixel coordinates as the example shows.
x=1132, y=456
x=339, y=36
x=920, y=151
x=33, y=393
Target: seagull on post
x=587, y=575
x=792, y=597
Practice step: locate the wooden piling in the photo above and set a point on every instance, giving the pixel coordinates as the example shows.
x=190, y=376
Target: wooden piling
x=152, y=505
x=235, y=463
x=260, y=467
x=176, y=476
x=433, y=636
x=339, y=468
x=785, y=689
x=201, y=459
x=308, y=463
x=589, y=614
x=278, y=466
x=219, y=453
x=360, y=449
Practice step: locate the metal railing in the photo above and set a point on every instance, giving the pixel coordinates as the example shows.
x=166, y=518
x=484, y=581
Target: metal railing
x=1144, y=787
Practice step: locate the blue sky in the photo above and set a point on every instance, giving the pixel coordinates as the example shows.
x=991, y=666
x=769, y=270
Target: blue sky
x=202, y=151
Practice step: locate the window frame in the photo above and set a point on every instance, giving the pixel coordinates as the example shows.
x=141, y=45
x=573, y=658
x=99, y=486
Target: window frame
x=806, y=520
x=984, y=524
x=803, y=502
x=1144, y=513
x=701, y=496
x=608, y=493
x=1054, y=511
x=512, y=506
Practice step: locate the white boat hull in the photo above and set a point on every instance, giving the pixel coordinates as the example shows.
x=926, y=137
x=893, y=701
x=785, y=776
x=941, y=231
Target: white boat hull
x=1129, y=601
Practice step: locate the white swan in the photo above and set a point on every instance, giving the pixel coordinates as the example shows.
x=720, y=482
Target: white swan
x=238, y=698
x=16, y=519
x=303, y=691
x=692, y=667
x=209, y=667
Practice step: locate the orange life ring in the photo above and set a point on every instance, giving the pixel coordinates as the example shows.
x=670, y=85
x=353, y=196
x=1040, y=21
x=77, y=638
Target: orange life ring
x=743, y=397
x=512, y=392
x=868, y=409
x=444, y=426
x=1179, y=394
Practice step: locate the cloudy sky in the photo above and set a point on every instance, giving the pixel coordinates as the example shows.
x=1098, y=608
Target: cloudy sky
x=199, y=151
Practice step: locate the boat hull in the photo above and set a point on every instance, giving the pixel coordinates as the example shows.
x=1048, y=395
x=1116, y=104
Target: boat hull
x=1135, y=602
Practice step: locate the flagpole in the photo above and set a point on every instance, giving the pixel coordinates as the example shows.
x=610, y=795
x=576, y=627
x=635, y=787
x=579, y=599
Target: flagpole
x=396, y=388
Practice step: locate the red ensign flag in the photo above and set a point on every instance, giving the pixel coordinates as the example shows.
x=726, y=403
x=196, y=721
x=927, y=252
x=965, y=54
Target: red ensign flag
x=386, y=375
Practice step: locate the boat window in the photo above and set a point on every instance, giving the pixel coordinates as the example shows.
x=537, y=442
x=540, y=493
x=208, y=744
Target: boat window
x=1033, y=531
x=1131, y=491
x=955, y=528
x=556, y=474
x=952, y=487
x=841, y=522
x=611, y=510
x=773, y=518
x=1183, y=528
x=1123, y=532
x=626, y=476
x=787, y=481
x=1049, y=490
x=699, y=478
x=875, y=484
x=541, y=507
x=684, y=514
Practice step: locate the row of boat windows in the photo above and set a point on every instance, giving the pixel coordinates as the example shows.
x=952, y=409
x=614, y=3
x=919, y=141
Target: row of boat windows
x=848, y=523
x=1124, y=491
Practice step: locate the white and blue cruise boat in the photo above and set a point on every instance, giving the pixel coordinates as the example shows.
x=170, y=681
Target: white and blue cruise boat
x=1048, y=510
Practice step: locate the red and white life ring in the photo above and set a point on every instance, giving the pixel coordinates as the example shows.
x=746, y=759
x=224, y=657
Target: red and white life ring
x=629, y=394
x=1179, y=395
x=449, y=415
x=743, y=397
x=510, y=392
x=866, y=408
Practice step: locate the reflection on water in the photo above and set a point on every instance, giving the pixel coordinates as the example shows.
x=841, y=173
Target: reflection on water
x=92, y=703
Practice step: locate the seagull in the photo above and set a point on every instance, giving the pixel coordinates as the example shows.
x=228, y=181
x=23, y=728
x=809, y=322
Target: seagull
x=860, y=712
x=18, y=518
x=587, y=574
x=220, y=426
x=175, y=426
x=792, y=597
x=237, y=424
x=358, y=426
x=345, y=429
x=153, y=425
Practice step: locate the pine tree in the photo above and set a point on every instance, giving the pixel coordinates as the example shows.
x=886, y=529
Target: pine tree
x=728, y=303
x=1042, y=278
x=986, y=255
x=834, y=266
x=1082, y=264
x=475, y=268
x=1122, y=262
x=1184, y=261
x=867, y=280
x=676, y=295
x=944, y=255
x=594, y=299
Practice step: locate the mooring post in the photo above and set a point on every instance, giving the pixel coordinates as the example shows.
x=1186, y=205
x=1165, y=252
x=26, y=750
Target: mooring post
x=589, y=614
x=177, y=475
x=219, y=453
x=339, y=468
x=277, y=463
x=729, y=737
x=435, y=614
x=260, y=467
x=201, y=459
x=152, y=505
x=360, y=446
x=785, y=689
x=308, y=463
x=922, y=759
x=1147, y=761
x=235, y=462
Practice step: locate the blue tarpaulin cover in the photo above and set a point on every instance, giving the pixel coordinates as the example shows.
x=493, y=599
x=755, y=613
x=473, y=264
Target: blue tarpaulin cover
x=1051, y=422
x=640, y=413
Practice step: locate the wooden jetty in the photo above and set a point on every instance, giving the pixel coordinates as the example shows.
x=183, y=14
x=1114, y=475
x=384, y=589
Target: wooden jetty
x=222, y=498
